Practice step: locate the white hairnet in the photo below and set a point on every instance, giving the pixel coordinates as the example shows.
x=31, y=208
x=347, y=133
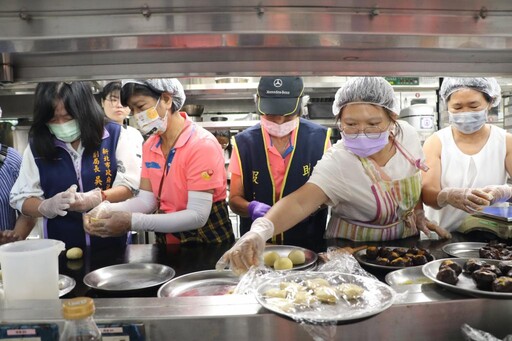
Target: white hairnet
x=170, y=85
x=374, y=90
x=488, y=86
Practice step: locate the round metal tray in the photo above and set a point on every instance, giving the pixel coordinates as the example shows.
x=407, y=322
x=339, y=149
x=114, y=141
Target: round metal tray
x=201, y=283
x=130, y=276
x=465, y=285
x=284, y=250
x=463, y=250
x=407, y=276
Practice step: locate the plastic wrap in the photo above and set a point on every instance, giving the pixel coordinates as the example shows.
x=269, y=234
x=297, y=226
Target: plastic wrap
x=471, y=334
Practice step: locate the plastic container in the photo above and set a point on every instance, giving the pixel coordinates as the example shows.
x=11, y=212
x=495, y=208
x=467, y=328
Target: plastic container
x=30, y=269
x=79, y=325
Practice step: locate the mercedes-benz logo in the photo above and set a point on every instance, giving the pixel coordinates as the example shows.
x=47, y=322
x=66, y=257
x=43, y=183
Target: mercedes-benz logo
x=278, y=83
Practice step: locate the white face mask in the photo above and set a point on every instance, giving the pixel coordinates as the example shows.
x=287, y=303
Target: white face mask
x=149, y=122
x=468, y=122
x=279, y=130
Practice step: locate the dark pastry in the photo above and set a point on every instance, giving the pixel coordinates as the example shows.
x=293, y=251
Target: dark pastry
x=384, y=252
x=451, y=264
x=408, y=261
x=429, y=257
x=419, y=259
x=371, y=252
x=393, y=255
x=492, y=268
x=413, y=251
x=397, y=262
x=472, y=265
x=502, y=284
x=483, y=279
x=489, y=253
x=382, y=261
x=447, y=275
x=505, y=267
x=401, y=251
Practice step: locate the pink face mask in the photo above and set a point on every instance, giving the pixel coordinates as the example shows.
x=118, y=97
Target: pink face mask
x=279, y=130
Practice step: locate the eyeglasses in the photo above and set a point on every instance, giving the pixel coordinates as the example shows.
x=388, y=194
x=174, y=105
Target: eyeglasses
x=114, y=100
x=371, y=132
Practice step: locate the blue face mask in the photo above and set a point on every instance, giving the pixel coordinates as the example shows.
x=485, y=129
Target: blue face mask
x=468, y=122
x=66, y=132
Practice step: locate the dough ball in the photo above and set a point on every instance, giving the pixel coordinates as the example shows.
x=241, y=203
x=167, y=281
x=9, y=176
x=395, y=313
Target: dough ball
x=283, y=263
x=269, y=258
x=297, y=257
x=291, y=286
x=317, y=282
x=350, y=291
x=276, y=293
x=326, y=295
x=74, y=253
x=304, y=298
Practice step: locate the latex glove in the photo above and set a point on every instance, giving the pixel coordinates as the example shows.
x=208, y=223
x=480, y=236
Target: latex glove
x=425, y=225
x=86, y=201
x=499, y=193
x=466, y=199
x=102, y=211
x=8, y=236
x=257, y=209
x=248, y=250
x=117, y=225
x=57, y=205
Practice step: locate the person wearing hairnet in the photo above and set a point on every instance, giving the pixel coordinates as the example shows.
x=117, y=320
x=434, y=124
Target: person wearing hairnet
x=371, y=180
x=183, y=176
x=75, y=159
x=275, y=157
x=469, y=160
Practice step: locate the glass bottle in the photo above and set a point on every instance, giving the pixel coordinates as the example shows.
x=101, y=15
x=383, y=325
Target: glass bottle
x=79, y=324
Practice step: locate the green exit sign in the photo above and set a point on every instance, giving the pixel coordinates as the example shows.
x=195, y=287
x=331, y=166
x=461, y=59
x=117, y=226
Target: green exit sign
x=403, y=80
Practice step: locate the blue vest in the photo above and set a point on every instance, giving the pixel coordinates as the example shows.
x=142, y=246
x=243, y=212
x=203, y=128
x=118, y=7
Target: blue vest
x=99, y=169
x=258, y=183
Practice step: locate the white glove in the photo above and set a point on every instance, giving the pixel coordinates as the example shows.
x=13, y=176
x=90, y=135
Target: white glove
x=102, y=211
x=57, y=205
x=466, y=199
x=86, y=201
x=248, y=250
x=499, y=193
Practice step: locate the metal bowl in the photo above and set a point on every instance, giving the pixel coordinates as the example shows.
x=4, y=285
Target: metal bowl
x=193, y=109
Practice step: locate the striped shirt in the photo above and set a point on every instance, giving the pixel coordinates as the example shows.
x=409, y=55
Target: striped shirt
x=9, y=171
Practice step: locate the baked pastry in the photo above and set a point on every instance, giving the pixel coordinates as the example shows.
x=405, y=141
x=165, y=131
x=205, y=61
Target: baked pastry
x=483, y=278
x=472, y=265
x=451, y=264
x=419, y=259
x=372, y=252
x=447, y=275
x=506, y=268
x=502, y=284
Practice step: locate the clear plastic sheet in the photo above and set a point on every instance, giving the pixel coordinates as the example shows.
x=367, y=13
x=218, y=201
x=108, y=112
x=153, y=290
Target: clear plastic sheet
x=471, y=334
x=348, y=293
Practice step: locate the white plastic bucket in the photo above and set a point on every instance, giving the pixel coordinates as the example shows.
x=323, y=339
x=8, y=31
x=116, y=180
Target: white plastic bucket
x=30, y=269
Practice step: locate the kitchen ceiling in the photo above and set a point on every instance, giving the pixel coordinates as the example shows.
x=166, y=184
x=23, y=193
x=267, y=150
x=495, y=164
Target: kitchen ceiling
x=97, y=40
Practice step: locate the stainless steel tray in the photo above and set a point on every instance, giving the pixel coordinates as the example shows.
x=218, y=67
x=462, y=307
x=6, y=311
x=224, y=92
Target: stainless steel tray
x=376, y=298
x=201, y=283
x=465, y=285
x=407, y=276
x=361, y=258
x=66, y=284
x=130, y=276
x=463, y=250
x=284, y=250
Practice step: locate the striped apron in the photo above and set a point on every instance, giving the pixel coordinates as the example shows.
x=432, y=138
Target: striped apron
x=395, y=201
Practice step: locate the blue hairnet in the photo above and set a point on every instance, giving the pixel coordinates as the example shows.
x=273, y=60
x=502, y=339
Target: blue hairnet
x=374, y=90
x=170, y=85
x=488, y=86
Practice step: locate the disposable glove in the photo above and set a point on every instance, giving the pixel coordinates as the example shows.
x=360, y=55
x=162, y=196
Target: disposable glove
x=499, y=193
x=102, y=211
x=57, y=205
x=248, y=250
x=86, y=201
x=117, y=225
x=425, y=225
x=466, y=199
x=257, y=209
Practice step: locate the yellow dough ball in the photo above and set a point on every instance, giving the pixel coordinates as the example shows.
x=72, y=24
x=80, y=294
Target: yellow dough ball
x=269, y=258
x=283, y=263
x=297, y=257
x=74, y=253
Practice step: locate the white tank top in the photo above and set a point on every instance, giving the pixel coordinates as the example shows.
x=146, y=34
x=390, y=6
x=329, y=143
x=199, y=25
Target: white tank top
x=487, y=167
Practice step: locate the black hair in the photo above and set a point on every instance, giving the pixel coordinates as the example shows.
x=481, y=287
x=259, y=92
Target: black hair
x=110, y=88
x=486, y=96
x=80, y=104
x=131, y=89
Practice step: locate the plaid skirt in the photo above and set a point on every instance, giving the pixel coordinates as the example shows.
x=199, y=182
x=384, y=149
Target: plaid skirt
x=216, y=230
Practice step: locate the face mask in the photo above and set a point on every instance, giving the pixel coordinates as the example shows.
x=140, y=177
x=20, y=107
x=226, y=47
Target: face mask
x=66, y=132
x=149, y=122
x=363, y=146
x=468, y=122
x=279, y=130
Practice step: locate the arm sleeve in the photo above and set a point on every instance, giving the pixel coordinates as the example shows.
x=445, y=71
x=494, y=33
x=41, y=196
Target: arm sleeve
x=28, y=183
x=144, y=202
x=129, y=160
x=196, y=215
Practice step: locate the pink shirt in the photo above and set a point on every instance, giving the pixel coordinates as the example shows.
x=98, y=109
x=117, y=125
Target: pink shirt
x=198, y=165
x=278, y=164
